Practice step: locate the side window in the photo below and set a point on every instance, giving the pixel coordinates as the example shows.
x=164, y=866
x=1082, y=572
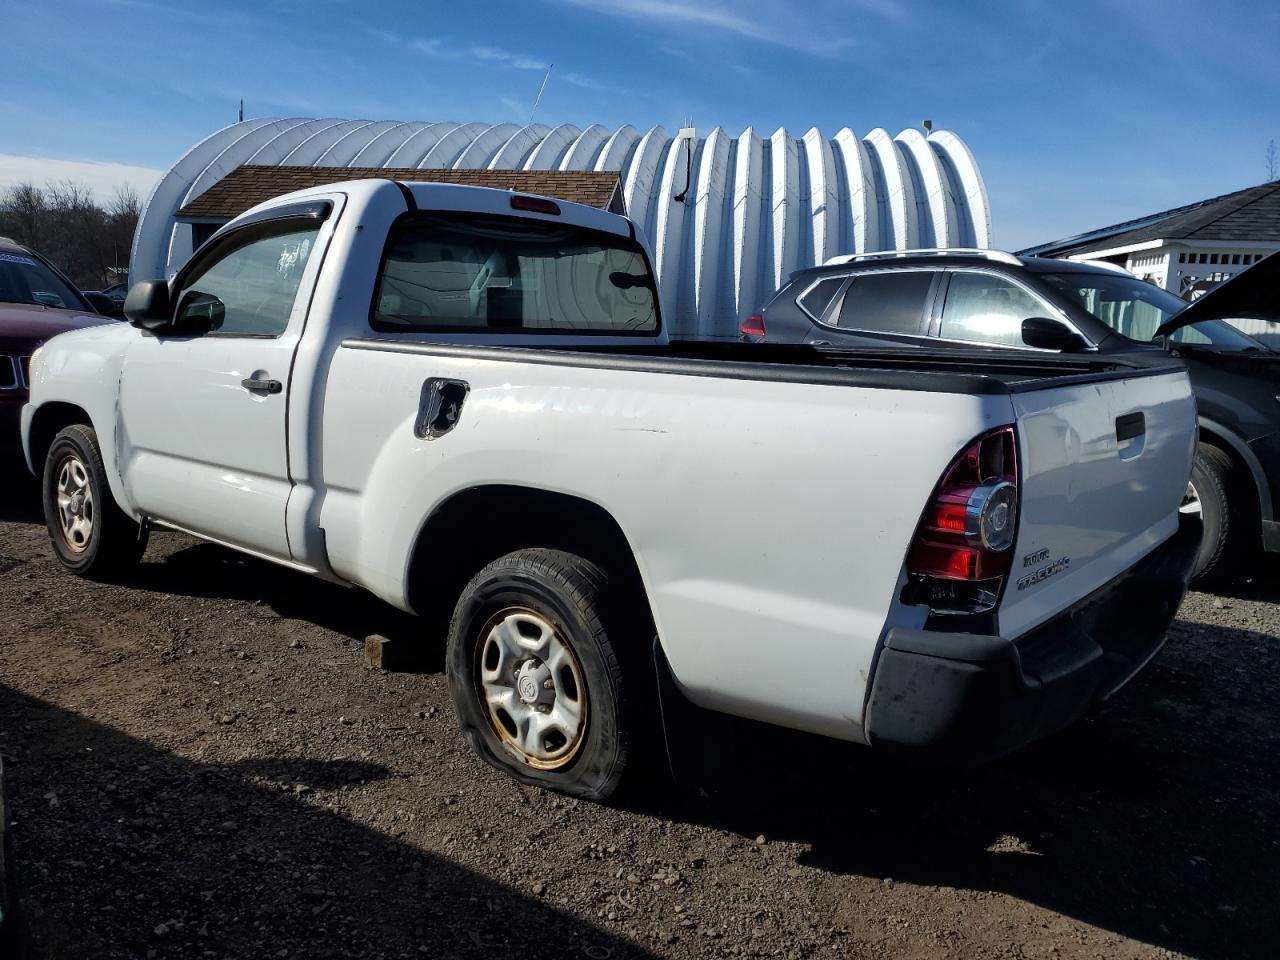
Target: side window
x=886, y=302
x=247, y=288
x=983, y=308
x=818, y=297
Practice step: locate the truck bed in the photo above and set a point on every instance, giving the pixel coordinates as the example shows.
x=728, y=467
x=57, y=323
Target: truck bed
x=969, y=372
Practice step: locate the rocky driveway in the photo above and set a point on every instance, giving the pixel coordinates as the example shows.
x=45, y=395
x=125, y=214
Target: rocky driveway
x=200, y=764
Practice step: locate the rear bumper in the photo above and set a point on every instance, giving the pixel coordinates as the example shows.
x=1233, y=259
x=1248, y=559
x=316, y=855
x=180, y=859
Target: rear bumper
x=969, y=698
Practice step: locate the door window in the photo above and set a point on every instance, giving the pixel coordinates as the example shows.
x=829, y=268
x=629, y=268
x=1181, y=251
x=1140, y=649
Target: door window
x=886, y=302
x=982, y=308
x=247, y=285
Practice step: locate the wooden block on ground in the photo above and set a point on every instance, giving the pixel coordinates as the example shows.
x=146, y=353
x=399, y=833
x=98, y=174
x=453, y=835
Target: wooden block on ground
x=383, y=653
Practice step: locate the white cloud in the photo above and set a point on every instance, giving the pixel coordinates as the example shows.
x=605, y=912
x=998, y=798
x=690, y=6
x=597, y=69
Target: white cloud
x=516, y=109
x=443, y=49
x=768, y=21
x=506, y=58
x=100, y=178
x=578, y=80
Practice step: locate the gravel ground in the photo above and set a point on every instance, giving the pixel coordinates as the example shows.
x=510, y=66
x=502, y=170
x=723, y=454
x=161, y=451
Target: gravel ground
x=199, y=764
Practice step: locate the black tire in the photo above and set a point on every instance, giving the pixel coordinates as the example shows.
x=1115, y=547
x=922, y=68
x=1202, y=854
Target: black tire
x=572, y=595
x=1224, y=510
x=115, y=542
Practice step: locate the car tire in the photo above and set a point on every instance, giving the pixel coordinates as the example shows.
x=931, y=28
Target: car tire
x=1215, y=486
x=537, y=677
x=91, y=535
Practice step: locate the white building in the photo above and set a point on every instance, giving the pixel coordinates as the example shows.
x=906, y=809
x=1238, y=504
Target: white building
x=728, y=218
x=1187, y=249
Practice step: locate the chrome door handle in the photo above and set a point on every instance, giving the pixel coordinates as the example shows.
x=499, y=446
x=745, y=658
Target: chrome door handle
x=261, y=386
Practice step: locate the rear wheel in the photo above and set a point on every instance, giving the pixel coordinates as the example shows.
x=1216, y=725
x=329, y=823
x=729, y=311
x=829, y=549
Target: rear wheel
x=536, y=678
x=1216, y=493
x=91, y=535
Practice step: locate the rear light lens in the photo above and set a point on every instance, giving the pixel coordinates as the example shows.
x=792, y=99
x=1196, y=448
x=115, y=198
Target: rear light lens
x=753, y=326
x=961, y=553
x=535, y=205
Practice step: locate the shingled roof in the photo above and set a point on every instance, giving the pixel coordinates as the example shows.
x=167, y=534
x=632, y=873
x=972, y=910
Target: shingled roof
x=251, y=184
x=1250, y=214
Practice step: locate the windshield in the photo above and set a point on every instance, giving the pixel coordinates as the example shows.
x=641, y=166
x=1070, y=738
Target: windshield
x=1136, y=309
x=24, y=279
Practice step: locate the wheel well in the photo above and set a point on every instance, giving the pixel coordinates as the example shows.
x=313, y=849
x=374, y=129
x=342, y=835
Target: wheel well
x=48, y=420
x=475, y=527
x=1243, y=472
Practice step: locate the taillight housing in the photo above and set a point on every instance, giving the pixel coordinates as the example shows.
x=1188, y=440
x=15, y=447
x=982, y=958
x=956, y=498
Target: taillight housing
x=962, y=550
x=753, y=326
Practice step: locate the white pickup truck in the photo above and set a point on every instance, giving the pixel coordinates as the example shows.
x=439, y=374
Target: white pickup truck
x=463, y=401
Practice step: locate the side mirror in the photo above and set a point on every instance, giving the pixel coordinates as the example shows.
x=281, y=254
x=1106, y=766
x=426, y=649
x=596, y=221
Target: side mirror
x=199, y=313
x=1045, y=333
x=147, y=306
x=103, y=304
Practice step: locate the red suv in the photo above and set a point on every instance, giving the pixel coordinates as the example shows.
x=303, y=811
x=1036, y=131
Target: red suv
x=36, y=303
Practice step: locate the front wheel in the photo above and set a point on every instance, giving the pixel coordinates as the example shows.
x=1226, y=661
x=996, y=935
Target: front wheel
x=91, y=535
x=536, y=678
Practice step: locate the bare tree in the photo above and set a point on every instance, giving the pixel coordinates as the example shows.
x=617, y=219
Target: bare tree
x=64, y=222
x=1273, y=162
x=22, y=214
x=123, y=211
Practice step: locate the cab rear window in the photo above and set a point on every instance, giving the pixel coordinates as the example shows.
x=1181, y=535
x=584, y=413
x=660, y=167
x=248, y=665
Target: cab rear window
x=459, y=272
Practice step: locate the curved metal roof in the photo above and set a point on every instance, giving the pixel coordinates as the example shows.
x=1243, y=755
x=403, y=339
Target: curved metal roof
x=728, y=218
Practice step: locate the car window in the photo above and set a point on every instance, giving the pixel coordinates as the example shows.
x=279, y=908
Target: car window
x=818, y=297
x=1137, y=309
x=248, y=287
x=478, y=273
x=984, y=308
x=886, y=302
x=24, y=279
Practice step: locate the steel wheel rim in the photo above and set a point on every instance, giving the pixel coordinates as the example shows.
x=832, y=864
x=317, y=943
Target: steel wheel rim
x=531, y=687
x=73, y=495
x=1191, y=502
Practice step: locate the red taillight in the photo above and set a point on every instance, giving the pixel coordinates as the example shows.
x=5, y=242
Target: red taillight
x=753, y=326
x=963, y=547
x=535, y=204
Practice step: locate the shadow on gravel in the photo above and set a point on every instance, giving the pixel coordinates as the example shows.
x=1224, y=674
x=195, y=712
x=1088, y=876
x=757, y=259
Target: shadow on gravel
x=19, y=492
x=124, y=850
x=208, y=570
x=1263, y=581
x=1158, y=818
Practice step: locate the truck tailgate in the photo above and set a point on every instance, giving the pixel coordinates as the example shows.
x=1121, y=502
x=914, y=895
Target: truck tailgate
x=1100, y=484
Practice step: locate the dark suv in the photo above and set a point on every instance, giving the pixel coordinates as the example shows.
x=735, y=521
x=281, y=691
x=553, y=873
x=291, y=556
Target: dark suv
x=986, y=299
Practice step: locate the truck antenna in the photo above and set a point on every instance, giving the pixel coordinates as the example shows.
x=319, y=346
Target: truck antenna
x=538, y=99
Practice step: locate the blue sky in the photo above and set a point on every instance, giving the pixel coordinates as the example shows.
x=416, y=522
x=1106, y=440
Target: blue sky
x=1080, y=112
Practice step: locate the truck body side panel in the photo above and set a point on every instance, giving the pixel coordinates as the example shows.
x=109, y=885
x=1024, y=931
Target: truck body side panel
x=769, y=519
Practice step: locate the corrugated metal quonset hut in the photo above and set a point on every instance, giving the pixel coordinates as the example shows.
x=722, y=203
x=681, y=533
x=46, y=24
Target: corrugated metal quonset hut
x=727, y=218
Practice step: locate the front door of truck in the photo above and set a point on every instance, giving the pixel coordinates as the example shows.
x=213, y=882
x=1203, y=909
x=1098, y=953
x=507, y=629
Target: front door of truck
x=204, y=439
